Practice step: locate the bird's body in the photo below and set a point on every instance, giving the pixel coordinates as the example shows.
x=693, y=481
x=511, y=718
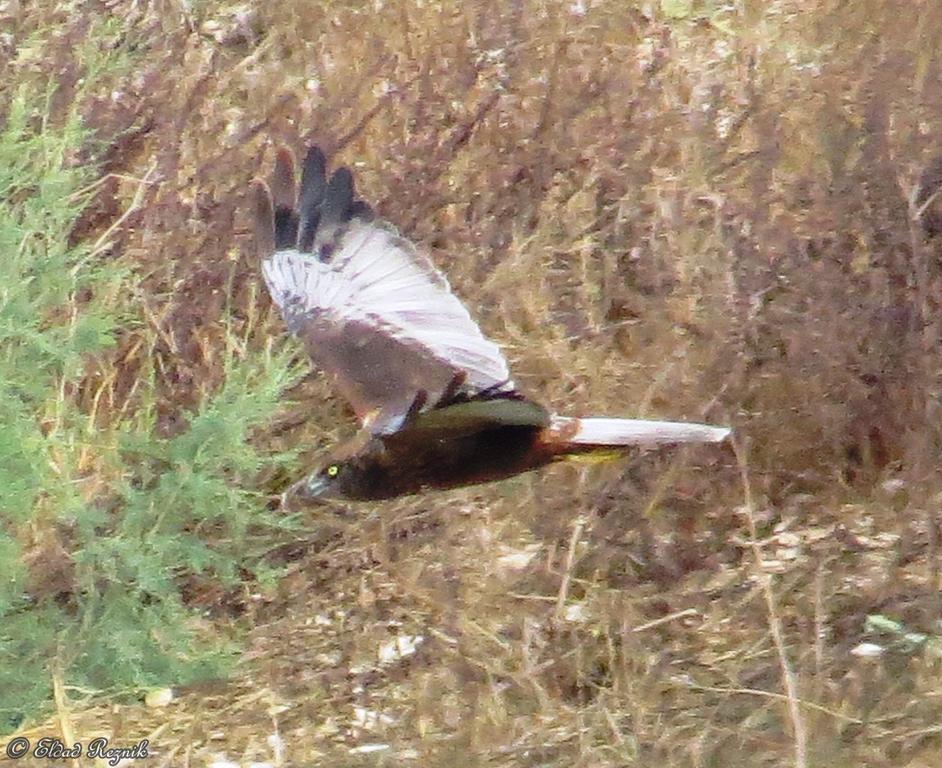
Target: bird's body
x=446, y=451
x=437, y=405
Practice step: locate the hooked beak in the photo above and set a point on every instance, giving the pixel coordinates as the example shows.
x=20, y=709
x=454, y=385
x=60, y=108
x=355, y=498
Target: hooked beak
x=306, y=493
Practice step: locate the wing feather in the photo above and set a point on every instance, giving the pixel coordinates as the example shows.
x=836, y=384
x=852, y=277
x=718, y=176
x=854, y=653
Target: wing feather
x=371, y=309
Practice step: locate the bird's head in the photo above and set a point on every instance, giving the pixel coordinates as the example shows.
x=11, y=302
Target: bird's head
x=334, y=481
x=355, y=472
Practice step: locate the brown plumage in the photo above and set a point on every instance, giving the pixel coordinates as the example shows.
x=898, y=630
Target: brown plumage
x=434, y=396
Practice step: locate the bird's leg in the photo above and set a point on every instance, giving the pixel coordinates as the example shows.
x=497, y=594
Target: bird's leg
x=421, y=398
x=418, y=403
x=452, y=390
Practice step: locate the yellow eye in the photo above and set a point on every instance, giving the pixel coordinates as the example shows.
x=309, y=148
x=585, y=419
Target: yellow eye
x=333, y=470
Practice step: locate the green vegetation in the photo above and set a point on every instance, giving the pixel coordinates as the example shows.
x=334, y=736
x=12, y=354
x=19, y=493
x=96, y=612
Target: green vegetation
x=102, y=521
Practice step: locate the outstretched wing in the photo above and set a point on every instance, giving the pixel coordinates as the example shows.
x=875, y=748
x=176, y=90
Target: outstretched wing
x=371, y=310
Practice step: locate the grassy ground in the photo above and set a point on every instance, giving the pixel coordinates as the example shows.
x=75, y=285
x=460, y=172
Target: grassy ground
x=676, y=209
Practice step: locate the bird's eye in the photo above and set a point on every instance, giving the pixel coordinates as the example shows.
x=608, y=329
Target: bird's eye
x=333, y=470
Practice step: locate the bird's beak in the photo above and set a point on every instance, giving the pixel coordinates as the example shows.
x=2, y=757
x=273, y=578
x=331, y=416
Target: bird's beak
x=306, y=493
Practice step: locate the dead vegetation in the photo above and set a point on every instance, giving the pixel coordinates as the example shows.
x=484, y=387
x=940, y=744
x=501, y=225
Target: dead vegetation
x=678, y=210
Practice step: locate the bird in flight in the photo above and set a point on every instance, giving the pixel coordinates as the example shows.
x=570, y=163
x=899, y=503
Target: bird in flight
x=436, y=402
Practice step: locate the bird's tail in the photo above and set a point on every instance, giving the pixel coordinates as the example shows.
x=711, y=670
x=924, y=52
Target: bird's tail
x=570, y=436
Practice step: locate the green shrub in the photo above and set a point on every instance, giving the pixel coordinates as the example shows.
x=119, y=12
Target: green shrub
x=101, y=527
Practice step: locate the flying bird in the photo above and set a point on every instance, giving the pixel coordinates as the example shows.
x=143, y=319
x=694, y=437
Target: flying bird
x=436, y=402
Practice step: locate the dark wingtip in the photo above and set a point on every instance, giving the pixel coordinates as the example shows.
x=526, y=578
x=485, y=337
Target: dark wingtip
x=264, y=219
x=286, y=228
x=283, y=184
x=338, y=197
x=301, y=218
x=284, y=197
x=315, y=163
x=362, y=210
x=313, y=187
x=313, y=179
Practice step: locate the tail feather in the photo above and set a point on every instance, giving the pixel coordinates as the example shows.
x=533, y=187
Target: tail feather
x=614, y=432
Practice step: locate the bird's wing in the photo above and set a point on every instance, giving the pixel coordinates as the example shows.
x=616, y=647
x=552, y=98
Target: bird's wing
x=478, y=415
x=372, y=310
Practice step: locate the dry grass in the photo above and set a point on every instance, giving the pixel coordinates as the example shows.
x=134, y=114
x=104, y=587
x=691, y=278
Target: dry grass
x=718, y=217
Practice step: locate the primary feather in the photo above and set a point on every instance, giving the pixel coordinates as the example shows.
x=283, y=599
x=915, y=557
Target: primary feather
x=371, y=309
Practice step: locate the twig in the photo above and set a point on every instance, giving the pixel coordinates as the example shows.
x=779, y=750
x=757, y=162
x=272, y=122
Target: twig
x=773, y=695
x=819, y=621
x=62, y=708
x=102, y=243
x=775, y=624
x=567, y=572
x=664, y=619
